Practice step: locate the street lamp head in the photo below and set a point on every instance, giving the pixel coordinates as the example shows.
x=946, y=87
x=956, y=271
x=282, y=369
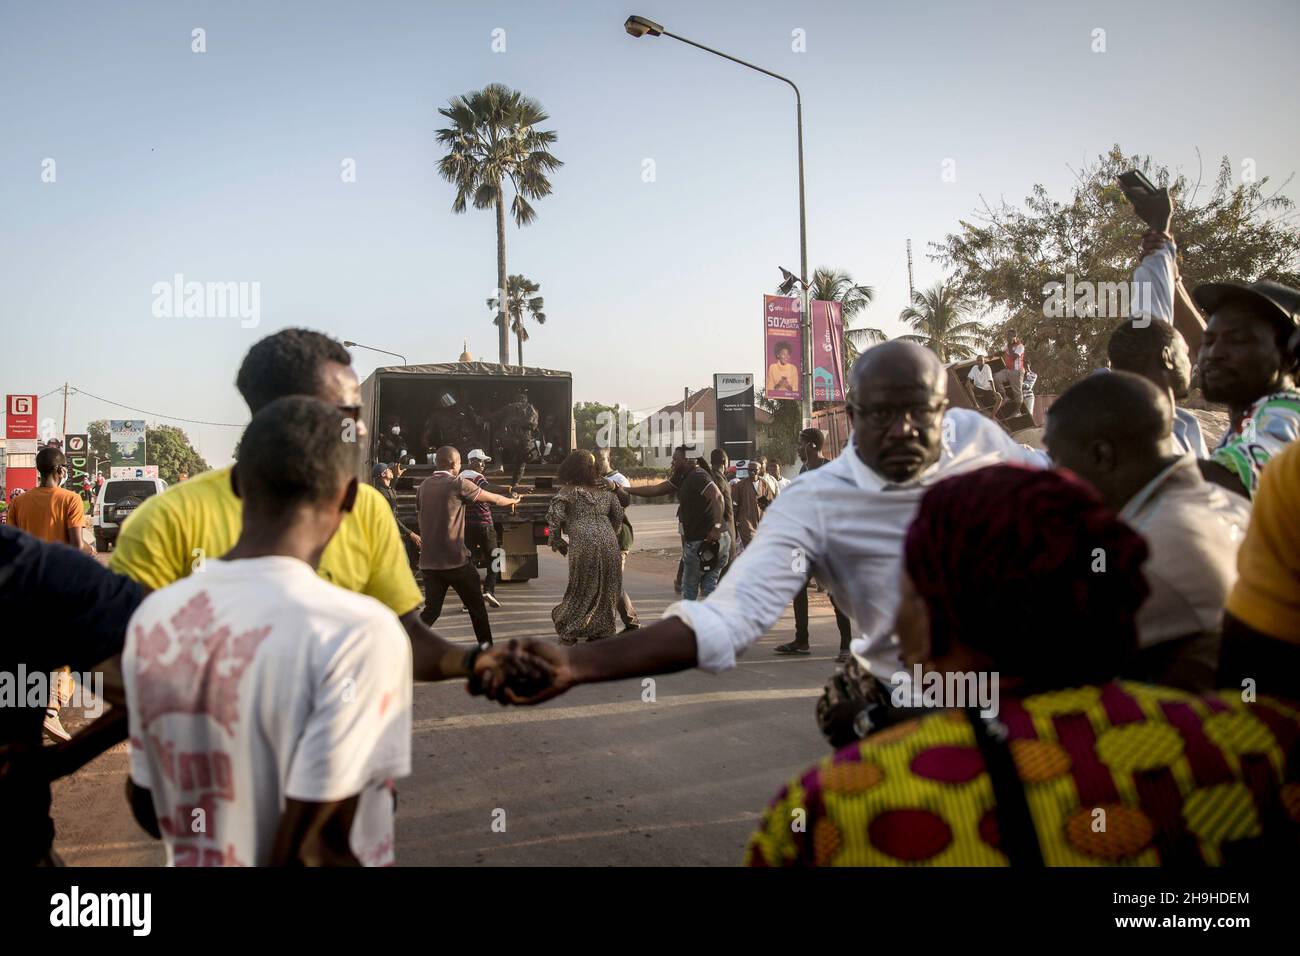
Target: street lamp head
x=640, y=26
x=789, y=281
x=348, y=345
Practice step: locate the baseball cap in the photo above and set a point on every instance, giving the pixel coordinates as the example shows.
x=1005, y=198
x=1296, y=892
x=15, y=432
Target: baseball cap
x=1272, y=300
x=378, y=470
x=478, y=453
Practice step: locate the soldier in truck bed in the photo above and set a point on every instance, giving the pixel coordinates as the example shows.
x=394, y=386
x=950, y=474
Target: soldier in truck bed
x=513, y=428
x=452, y=423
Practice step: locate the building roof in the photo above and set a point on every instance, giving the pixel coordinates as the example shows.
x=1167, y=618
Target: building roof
x=702, y=402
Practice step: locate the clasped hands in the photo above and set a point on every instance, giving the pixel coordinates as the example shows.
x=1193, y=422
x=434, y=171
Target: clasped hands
x=521, y=672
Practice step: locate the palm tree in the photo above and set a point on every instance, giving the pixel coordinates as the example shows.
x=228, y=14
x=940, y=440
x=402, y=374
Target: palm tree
x=836, y=285
x=939, y=317
x=521, y=293
x=494, y=137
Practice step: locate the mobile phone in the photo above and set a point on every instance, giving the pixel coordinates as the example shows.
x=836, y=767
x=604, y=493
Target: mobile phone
x=1134, y=182
x=1151, y=204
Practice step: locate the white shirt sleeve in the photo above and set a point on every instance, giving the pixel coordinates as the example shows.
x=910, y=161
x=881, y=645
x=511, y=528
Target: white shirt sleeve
x=766, y=577
x=359, y=730
x=1154, y=277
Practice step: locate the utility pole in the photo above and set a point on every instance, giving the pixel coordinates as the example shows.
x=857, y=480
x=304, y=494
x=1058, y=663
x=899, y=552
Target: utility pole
x=686, y=400
x=911, y=289
x=64, y=436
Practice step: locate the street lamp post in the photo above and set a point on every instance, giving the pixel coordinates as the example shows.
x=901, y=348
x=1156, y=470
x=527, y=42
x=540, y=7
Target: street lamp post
x=638, y=27
x=358, y=345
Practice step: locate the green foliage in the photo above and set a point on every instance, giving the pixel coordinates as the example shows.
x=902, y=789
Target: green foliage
x=836, y=285
x=587, y=422
x=780, y=439
x=494, y=137
x=521, y=300
x=940, y=317
x=1240, y=230
x=166, y=446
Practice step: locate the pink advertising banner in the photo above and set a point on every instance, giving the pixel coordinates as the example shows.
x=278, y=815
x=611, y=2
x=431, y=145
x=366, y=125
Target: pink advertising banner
x=828, y=351
x=783, y=367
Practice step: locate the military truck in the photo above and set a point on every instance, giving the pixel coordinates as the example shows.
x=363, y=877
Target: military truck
x=465, y=404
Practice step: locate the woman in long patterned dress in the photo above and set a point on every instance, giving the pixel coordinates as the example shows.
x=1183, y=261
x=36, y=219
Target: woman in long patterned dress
x=587, y=514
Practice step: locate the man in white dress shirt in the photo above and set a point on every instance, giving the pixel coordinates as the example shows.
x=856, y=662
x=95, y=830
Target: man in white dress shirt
x=847, y=520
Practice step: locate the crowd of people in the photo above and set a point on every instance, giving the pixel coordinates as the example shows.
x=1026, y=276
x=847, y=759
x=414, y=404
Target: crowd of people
x=1132, y=597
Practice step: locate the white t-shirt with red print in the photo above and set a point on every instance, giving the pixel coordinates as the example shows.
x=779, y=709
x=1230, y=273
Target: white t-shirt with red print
x=256, y=681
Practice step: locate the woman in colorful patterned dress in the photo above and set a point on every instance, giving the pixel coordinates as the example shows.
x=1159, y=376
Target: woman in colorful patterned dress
x=1027, y=578
x=584, y=519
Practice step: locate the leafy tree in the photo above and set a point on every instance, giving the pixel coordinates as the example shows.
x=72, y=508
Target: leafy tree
x=781, y=435
x=836, y=285
x=166, y=446
x=493, y=137
x=522, y=299
x=590, y=417
x=1006, y=256
x=940, y=316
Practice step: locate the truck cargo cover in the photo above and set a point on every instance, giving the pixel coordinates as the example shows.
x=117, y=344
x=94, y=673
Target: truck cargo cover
x=471, y=368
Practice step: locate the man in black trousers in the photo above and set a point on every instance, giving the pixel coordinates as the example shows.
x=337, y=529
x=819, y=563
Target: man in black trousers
x=445, y=562
x=811, y=441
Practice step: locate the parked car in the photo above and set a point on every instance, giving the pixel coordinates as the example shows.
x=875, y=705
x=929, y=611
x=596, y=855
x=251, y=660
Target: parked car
x=117, y=500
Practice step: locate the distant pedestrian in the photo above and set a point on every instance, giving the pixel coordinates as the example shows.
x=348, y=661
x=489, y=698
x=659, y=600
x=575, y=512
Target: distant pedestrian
x=1027, y=389
x=718, y=465
x=54, y=514
x=981, y=381
x=811, y=441
x=445, y=562
x=583, y=519
x=480, y=528
x=619, y=484
x=781, y=483
x=382, y=479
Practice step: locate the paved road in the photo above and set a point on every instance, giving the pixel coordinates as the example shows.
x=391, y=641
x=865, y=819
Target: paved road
x=596, y=777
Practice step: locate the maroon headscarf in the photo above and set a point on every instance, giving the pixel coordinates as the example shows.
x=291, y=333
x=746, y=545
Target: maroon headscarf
x=1031, y=568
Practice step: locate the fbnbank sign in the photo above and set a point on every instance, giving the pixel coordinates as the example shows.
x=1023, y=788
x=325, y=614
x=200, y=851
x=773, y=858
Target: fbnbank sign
x=733, y=398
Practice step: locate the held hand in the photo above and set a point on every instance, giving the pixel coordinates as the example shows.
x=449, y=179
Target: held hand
x=524, y=672
x=713, y=535
x=416, y=538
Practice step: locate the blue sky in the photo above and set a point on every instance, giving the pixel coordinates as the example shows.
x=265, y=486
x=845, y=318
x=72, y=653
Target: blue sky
x=225, y=166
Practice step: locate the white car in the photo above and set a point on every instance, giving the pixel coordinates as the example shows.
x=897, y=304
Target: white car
x=117, y=499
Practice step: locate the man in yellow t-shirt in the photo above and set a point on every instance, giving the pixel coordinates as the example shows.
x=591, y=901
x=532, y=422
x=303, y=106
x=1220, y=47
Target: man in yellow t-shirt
x=1261, y=626
x=172, y=534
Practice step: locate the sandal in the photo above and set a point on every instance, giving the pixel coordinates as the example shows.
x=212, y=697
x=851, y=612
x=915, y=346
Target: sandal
x=791, y=648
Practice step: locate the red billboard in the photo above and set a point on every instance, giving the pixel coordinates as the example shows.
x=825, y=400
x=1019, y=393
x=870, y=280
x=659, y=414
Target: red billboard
x=21, y=435
x=20, y=417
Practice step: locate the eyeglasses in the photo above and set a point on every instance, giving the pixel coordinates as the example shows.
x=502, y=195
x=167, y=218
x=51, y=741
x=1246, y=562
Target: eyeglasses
x=883, y=416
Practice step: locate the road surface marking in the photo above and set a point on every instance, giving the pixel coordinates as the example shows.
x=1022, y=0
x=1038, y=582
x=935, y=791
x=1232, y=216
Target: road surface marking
x=541, y=713
x=745, y=817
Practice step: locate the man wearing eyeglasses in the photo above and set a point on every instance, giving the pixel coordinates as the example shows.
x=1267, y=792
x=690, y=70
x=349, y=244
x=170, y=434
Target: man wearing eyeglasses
x=846, y=520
